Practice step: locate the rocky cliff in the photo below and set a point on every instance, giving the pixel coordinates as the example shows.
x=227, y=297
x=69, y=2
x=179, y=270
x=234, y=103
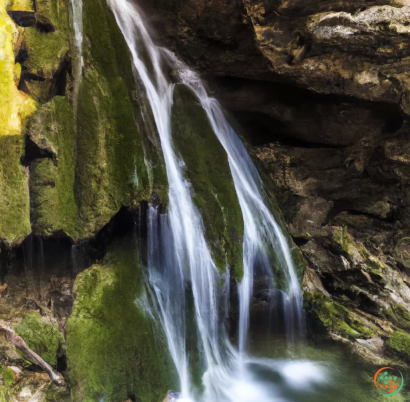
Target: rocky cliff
x=321, y=90
x=81, y=156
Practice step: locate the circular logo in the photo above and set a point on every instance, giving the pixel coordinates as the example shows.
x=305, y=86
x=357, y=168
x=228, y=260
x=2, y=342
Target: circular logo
x=388, y=381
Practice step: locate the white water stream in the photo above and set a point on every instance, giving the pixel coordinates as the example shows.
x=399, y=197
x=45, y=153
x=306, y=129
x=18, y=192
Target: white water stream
x=178, y=255
x=77, y=15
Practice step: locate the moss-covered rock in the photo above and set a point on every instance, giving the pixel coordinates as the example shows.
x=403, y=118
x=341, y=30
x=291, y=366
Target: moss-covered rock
x=52, y=180
x=110, y=162
x=14, y=194
x=209, y=173
x=46, y=51
x=399, y=344
x=6, y=376
x=19, y=5
x=335, y=318
x=47, y=47
x=15, y=108
x=399, y=315
x=359, y=256
x=6, y=383
x=104, y=151
x=113, y=348
x=43, y=337
x=112, y=167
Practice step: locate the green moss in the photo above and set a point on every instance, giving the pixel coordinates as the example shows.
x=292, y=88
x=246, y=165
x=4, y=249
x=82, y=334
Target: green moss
x=45, y=51
x=113, y=349
x=15, y=108
x=336, y=318
x=299, y=261
x=53, y=205
x=114, y=165
x=209, y=173
x=14, y=198
x=110, y=167
x=55, y=393
x=105, y=157
x=400, y=343
x=56, y=11
x=399, y=315
x=45, y=339
x=356, y=250
x=7, y=376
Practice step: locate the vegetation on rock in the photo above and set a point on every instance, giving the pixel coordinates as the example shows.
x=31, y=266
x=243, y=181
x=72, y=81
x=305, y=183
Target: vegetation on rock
x=15, y=108
x=399, y=343
x=113, y=347
x=208, y=171
x=42, y=337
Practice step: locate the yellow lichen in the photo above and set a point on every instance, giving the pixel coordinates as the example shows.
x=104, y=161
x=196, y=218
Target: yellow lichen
x=15, y=106
x=19, y=5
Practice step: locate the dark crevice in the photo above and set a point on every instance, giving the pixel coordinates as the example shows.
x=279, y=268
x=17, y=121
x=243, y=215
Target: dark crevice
x=394, y=124
x=60, y=77
x=340, y=206
x=273, y=111
x=300, y=241
x=23, y=87
x=337, y=287
x=23, y=18
x=32, y=77
x=22, y=55
x=58, y=255
x=260, y=129
x=61, y=361
x=29, y=19
x=33, y=151
x=44, y=25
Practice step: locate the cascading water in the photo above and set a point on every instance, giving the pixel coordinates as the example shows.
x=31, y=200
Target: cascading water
x=178, y=254
x=77, y=15
x=77, y=9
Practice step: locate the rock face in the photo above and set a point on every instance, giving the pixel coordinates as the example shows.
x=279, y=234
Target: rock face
x=322, y=92
x=92, y=327
x=73, y=154
x=353, y=51
x=15, y=108
x=347, y=209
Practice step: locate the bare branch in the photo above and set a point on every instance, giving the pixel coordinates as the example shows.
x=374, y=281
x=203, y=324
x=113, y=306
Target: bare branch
x=32, y=356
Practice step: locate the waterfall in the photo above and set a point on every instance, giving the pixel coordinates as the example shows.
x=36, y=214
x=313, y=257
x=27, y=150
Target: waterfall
x=176, y=240
x=261, y=229
x=77, y=17
x=77, y=10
